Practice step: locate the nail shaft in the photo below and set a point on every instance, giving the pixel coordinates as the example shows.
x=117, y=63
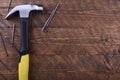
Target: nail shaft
x=13, y=34
x=3, y=44
x=9, y=5
x=50, y=17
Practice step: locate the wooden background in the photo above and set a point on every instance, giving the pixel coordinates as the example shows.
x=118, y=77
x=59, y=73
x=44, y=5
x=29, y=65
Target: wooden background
x=82, y=42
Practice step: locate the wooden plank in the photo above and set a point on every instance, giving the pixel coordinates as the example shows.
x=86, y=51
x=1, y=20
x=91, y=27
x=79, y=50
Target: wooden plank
x=82, y=42
x=100, y=63
x=75, y=76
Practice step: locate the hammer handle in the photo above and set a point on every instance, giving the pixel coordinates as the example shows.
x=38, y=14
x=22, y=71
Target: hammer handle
x=24, y=49
x=23, y=70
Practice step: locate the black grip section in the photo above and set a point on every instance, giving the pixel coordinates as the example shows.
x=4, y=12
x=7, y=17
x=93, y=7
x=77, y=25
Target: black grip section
x=24, y=49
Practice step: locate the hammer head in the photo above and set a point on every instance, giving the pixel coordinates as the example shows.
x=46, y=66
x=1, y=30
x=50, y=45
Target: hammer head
x=24, y=10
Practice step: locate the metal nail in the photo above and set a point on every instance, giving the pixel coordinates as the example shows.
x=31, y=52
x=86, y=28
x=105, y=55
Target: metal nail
x=13, y=34
x=50, y=17
x=3, y=44
x=9, y=5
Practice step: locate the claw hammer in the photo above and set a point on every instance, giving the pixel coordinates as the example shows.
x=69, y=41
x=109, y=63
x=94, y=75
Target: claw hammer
x=24, y=11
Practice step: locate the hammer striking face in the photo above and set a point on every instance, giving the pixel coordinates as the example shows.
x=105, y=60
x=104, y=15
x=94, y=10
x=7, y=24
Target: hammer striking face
x=24, y=11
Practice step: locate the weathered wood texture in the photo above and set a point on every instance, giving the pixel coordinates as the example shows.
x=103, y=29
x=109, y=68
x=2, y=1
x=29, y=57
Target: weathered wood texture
x=82, y=42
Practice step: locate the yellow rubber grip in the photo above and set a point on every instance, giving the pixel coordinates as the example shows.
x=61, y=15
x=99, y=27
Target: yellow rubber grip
x=23, y=69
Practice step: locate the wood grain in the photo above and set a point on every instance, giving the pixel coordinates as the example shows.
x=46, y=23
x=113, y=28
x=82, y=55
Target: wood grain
x=82, y=42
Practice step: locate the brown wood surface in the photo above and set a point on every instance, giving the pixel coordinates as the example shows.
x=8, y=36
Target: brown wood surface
x=82, y=42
